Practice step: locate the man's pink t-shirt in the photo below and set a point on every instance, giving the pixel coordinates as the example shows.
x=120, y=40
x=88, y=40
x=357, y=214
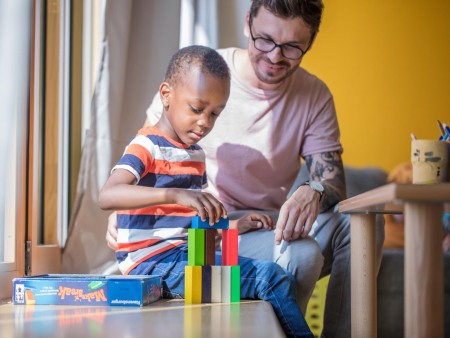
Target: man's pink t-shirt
x=253, y=152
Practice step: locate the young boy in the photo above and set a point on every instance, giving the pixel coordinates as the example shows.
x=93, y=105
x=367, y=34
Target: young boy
x=157, y=185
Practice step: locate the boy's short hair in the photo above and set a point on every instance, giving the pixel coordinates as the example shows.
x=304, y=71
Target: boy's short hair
x=206, y=58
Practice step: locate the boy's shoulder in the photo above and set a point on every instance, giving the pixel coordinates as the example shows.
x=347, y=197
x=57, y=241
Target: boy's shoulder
x=149, y=130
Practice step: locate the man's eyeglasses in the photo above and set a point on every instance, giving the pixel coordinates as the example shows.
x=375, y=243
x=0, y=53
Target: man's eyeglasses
x=267, y=45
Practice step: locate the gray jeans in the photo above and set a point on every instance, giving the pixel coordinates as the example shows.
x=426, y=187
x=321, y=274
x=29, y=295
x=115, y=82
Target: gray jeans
x=326, y=252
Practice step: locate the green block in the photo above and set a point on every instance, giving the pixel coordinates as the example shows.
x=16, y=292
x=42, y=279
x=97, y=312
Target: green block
x=196, y=247
x=235, y=284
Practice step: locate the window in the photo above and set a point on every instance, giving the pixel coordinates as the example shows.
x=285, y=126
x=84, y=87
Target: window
x=40, y=110
x=15, y=32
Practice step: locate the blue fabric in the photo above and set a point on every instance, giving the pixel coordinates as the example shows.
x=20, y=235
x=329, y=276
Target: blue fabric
x=259, y=280
x=446, y=222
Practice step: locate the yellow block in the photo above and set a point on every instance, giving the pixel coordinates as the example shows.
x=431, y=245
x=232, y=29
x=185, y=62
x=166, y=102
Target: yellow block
x=193, y=284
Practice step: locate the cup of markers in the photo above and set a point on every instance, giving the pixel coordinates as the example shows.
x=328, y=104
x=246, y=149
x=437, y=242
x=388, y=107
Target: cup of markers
x=430, y=158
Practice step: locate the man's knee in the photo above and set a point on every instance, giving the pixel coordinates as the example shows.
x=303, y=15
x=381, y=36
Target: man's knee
x=311, y=254
x=301, y=256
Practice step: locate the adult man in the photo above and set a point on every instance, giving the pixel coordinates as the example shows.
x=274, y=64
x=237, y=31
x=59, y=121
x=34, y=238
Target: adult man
x=278, y=112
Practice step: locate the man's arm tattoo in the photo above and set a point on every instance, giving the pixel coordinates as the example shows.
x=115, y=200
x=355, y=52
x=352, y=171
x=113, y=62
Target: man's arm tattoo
x=328, y=168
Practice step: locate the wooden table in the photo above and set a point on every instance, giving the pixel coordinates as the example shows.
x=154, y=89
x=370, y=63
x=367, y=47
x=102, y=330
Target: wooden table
x=164, y=318
x=422, y=206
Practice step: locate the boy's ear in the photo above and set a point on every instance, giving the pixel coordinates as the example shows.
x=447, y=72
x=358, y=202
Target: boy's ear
x=165, y=93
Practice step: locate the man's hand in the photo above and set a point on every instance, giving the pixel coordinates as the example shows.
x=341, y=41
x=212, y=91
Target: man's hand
x=297, y=215
x=111, y=232
x=252, y=221
x=299, y=212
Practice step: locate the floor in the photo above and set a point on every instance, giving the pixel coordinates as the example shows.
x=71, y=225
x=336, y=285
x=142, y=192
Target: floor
x=164, y=318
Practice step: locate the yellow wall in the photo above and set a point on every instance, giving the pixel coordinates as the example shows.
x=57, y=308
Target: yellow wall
x=387, y=64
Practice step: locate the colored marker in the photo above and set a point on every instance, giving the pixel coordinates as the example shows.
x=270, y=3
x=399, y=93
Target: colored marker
x=441, y=128
x=447, y=130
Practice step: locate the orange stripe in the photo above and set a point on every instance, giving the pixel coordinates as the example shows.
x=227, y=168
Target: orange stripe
x=138, y=150
x=143, y=154
x=127, y=247
x=161, y=210
x=171, y=246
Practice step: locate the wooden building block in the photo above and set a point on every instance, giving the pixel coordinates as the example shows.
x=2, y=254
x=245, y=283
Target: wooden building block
x=210, y=247
x=196, y=247
x=193, y=284
x=216, y=284
x=206, y=284
x=197, y=223
x=230, y=247
x=226, y=284
x=235, y=284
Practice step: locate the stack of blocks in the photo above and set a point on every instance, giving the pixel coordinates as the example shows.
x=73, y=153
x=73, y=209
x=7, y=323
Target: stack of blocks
x=206, y=282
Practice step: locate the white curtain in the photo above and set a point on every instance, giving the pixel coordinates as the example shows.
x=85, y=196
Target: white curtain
x=198, y=23
x=85, y=247
x=139, y=37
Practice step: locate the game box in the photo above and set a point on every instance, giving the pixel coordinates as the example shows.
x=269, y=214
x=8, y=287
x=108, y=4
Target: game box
x=63, y=289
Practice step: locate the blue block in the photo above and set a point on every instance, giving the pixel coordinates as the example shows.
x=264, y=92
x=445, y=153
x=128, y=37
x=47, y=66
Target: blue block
x=197, y=223
x=206, y=284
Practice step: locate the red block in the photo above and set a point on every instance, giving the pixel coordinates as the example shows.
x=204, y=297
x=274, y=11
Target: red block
x=230, y=247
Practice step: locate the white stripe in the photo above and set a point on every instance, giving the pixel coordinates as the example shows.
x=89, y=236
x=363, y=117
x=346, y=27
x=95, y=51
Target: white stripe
x=135, y=256
x=180, y=155
x=137, y=235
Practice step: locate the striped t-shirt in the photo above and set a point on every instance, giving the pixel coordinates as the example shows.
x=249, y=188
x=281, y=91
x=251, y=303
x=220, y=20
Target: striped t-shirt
x=157, y=161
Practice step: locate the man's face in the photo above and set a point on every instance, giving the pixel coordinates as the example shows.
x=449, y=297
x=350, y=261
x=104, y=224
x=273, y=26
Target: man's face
x=272, y=67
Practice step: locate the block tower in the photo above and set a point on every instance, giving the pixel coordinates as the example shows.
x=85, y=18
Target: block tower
x=206, y=282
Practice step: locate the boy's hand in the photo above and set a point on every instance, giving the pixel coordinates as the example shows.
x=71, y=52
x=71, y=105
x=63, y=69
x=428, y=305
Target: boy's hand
x=252, y=221
x=204, y=203
x=111, y=232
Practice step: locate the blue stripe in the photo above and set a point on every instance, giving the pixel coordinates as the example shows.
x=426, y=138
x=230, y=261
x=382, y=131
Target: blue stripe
x=121, y=255
x=172, y=181
x=134, y=162
x=160, y=141
x=146, y=222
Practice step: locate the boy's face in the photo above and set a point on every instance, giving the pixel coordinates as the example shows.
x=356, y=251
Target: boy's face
x=192, y=106
x=272, y=67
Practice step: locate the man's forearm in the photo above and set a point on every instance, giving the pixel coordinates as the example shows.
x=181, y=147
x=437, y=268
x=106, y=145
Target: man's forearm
x=328, y=169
